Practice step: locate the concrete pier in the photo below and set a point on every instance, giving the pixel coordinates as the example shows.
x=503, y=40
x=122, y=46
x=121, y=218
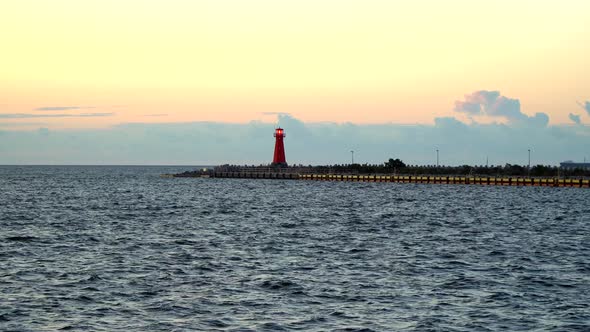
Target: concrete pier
x=464, y=180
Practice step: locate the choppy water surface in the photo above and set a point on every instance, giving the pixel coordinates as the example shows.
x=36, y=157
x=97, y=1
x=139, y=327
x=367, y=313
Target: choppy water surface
x=120, y=249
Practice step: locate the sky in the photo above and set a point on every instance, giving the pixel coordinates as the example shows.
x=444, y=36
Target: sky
x=381, y=76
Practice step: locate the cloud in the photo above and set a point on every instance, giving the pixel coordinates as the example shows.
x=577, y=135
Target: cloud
x=493, y=104
x=276, y=113
x=62, y=108
x=468, y=107
x=32, y=115
x=450, y=124
x=540, y=119
x=575, y=118
x=21, y=124
x=210, y=143
x=585, y=106
x=92, y=115
x=477, y=102
x=156, y=115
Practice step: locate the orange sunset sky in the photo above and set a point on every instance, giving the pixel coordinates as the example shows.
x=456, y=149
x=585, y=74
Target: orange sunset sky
x=92, y=64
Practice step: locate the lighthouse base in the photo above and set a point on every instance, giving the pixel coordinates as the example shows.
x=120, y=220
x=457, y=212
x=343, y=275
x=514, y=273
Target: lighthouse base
x=280, y=165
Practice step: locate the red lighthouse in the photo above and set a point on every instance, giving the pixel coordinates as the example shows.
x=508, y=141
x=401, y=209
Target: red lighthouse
x=279, y=156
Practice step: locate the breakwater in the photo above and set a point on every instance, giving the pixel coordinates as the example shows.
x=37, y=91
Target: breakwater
x=463, y=180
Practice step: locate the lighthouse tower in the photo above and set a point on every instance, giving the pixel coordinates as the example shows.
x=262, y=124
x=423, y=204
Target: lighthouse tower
x=279, y=156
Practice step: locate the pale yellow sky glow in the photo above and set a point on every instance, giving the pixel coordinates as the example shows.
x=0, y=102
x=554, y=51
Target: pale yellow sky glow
x=335, y=60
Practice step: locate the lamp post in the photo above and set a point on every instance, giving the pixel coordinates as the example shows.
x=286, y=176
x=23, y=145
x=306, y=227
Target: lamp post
x=529, y=167
x=436, y=158
x=352, y=157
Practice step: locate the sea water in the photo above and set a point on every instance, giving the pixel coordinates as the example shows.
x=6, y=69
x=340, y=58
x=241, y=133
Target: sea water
x=121, y=249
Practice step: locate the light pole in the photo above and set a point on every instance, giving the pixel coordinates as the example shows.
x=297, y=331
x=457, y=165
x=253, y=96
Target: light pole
x=436, y=158
x=529, y=168
x=352, y=157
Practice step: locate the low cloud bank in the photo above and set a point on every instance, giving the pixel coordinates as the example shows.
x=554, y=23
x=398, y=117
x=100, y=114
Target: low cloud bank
x=202, y=143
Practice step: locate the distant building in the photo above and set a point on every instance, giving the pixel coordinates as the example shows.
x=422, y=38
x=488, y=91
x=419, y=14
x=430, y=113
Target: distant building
x=573, y=165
